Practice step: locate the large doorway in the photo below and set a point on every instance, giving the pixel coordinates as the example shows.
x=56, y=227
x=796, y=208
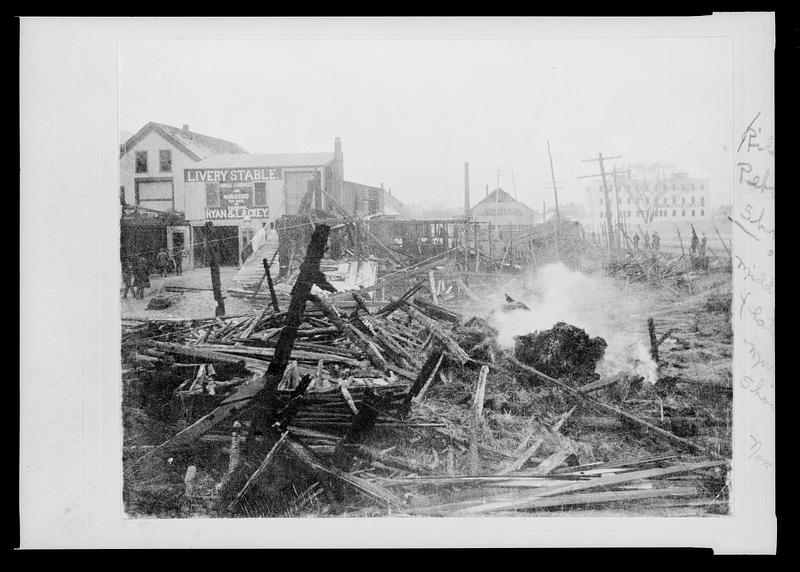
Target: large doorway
x=227, y=245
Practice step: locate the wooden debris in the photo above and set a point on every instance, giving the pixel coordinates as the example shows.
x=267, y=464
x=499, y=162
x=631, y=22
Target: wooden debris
x=477, y=421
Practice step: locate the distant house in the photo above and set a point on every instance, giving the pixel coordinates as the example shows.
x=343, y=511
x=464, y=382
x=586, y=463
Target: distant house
x=500, y=208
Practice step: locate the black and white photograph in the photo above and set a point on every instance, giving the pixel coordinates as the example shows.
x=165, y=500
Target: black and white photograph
x=433, y=270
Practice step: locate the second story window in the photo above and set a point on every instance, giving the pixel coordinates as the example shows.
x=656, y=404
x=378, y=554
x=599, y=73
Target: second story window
x=141, y=161
x=212, y=195
x=165, y=161
x=260, y=195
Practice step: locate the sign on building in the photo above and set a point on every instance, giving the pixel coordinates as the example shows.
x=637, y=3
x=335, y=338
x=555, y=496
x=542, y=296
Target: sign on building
x=241, y=200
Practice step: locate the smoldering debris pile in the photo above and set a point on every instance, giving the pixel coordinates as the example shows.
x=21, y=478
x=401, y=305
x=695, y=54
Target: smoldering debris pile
x=405, y=407
x=564, y=352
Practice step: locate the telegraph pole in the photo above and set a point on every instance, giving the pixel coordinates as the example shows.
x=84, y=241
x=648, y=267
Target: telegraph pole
x=602, y=173
x=555, y=195
x=466, y=190
x=622, y=226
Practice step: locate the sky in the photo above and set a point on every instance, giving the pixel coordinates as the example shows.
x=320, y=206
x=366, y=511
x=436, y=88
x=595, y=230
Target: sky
x=411, y=112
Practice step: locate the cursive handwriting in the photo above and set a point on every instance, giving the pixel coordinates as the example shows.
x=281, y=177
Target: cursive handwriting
x=756, y=220
x=756, y=360
x=751, y=137
x=755, y=452
x=758, y=389
x=756, y=312
x=750, y=273
x=756, y=181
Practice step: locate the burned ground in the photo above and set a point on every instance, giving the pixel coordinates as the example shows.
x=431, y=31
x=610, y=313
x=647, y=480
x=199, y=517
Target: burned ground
x=375, y=413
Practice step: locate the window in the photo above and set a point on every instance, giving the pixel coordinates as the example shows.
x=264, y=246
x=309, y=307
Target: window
x=702, y=212
x=674, y=213
x=702, y=186
x=629, y=200
x=260, y=195
x=692, y=200
x=702, y=201
x=683, y=200
x=141, y=161
x=165, y=161
x=692, y=212
x=665, y=200
x=212, y=195
x=683, y=212
x=692, y=186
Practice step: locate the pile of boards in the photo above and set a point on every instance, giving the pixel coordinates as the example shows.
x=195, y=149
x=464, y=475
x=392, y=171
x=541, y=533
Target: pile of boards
x=353, y=366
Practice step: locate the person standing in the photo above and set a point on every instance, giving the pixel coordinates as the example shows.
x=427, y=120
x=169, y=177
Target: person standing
x=646, y=240
x=141, y=277
x=162, y=262
x=656, y=240
x=127, y=278
x=179, y=262
x=636, y=241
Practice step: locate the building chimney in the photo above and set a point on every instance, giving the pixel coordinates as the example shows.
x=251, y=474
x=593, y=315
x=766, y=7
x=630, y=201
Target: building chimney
x=466, y=190
x=382, y=186
x=186, y=128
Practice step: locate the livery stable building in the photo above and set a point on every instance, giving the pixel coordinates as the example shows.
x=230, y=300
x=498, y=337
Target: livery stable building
x=241, y=193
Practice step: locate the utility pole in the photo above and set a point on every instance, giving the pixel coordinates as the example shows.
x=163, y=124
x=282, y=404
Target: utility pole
x=602, y=173
x=555, y=195
x=466, y=190
x=621, y=226
x=211, y=248
x=514, y=184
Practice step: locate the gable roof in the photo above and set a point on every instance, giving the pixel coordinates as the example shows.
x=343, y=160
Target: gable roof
x=250, y=161
x=195, y=145
x=498, y=195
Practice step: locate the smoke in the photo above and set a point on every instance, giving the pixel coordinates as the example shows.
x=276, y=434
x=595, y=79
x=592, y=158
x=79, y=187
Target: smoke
x=597, y=305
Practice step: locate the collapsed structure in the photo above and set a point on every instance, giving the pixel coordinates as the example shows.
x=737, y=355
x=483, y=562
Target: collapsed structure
x=390, y=398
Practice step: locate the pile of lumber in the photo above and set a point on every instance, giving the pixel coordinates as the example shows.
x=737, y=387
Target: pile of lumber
x=305, y=385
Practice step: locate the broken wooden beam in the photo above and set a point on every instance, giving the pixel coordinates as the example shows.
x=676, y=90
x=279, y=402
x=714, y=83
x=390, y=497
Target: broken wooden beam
x=444, y=338
x=477, y=421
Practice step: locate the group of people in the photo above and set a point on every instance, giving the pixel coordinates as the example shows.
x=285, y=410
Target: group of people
x=167, y=262
x=654, y=241
x=135, y=277
x=136, y=271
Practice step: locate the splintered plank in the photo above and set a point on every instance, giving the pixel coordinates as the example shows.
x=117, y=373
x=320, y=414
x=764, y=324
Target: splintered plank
x=324, y=470
x=502, y=502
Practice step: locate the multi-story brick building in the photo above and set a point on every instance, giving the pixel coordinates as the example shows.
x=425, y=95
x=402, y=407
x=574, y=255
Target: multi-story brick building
x=677, y=198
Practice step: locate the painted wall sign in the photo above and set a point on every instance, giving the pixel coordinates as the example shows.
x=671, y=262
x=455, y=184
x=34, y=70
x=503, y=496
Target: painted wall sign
x=236, y=202
x=237, y=212
x=230, y=175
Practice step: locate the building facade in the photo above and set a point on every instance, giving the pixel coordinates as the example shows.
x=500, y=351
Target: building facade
x=501, y=209
x=152, y=163
x=241, y=193
x=678, y=198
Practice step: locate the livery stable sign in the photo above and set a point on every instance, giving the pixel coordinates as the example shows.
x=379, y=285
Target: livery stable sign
x=235, y=188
